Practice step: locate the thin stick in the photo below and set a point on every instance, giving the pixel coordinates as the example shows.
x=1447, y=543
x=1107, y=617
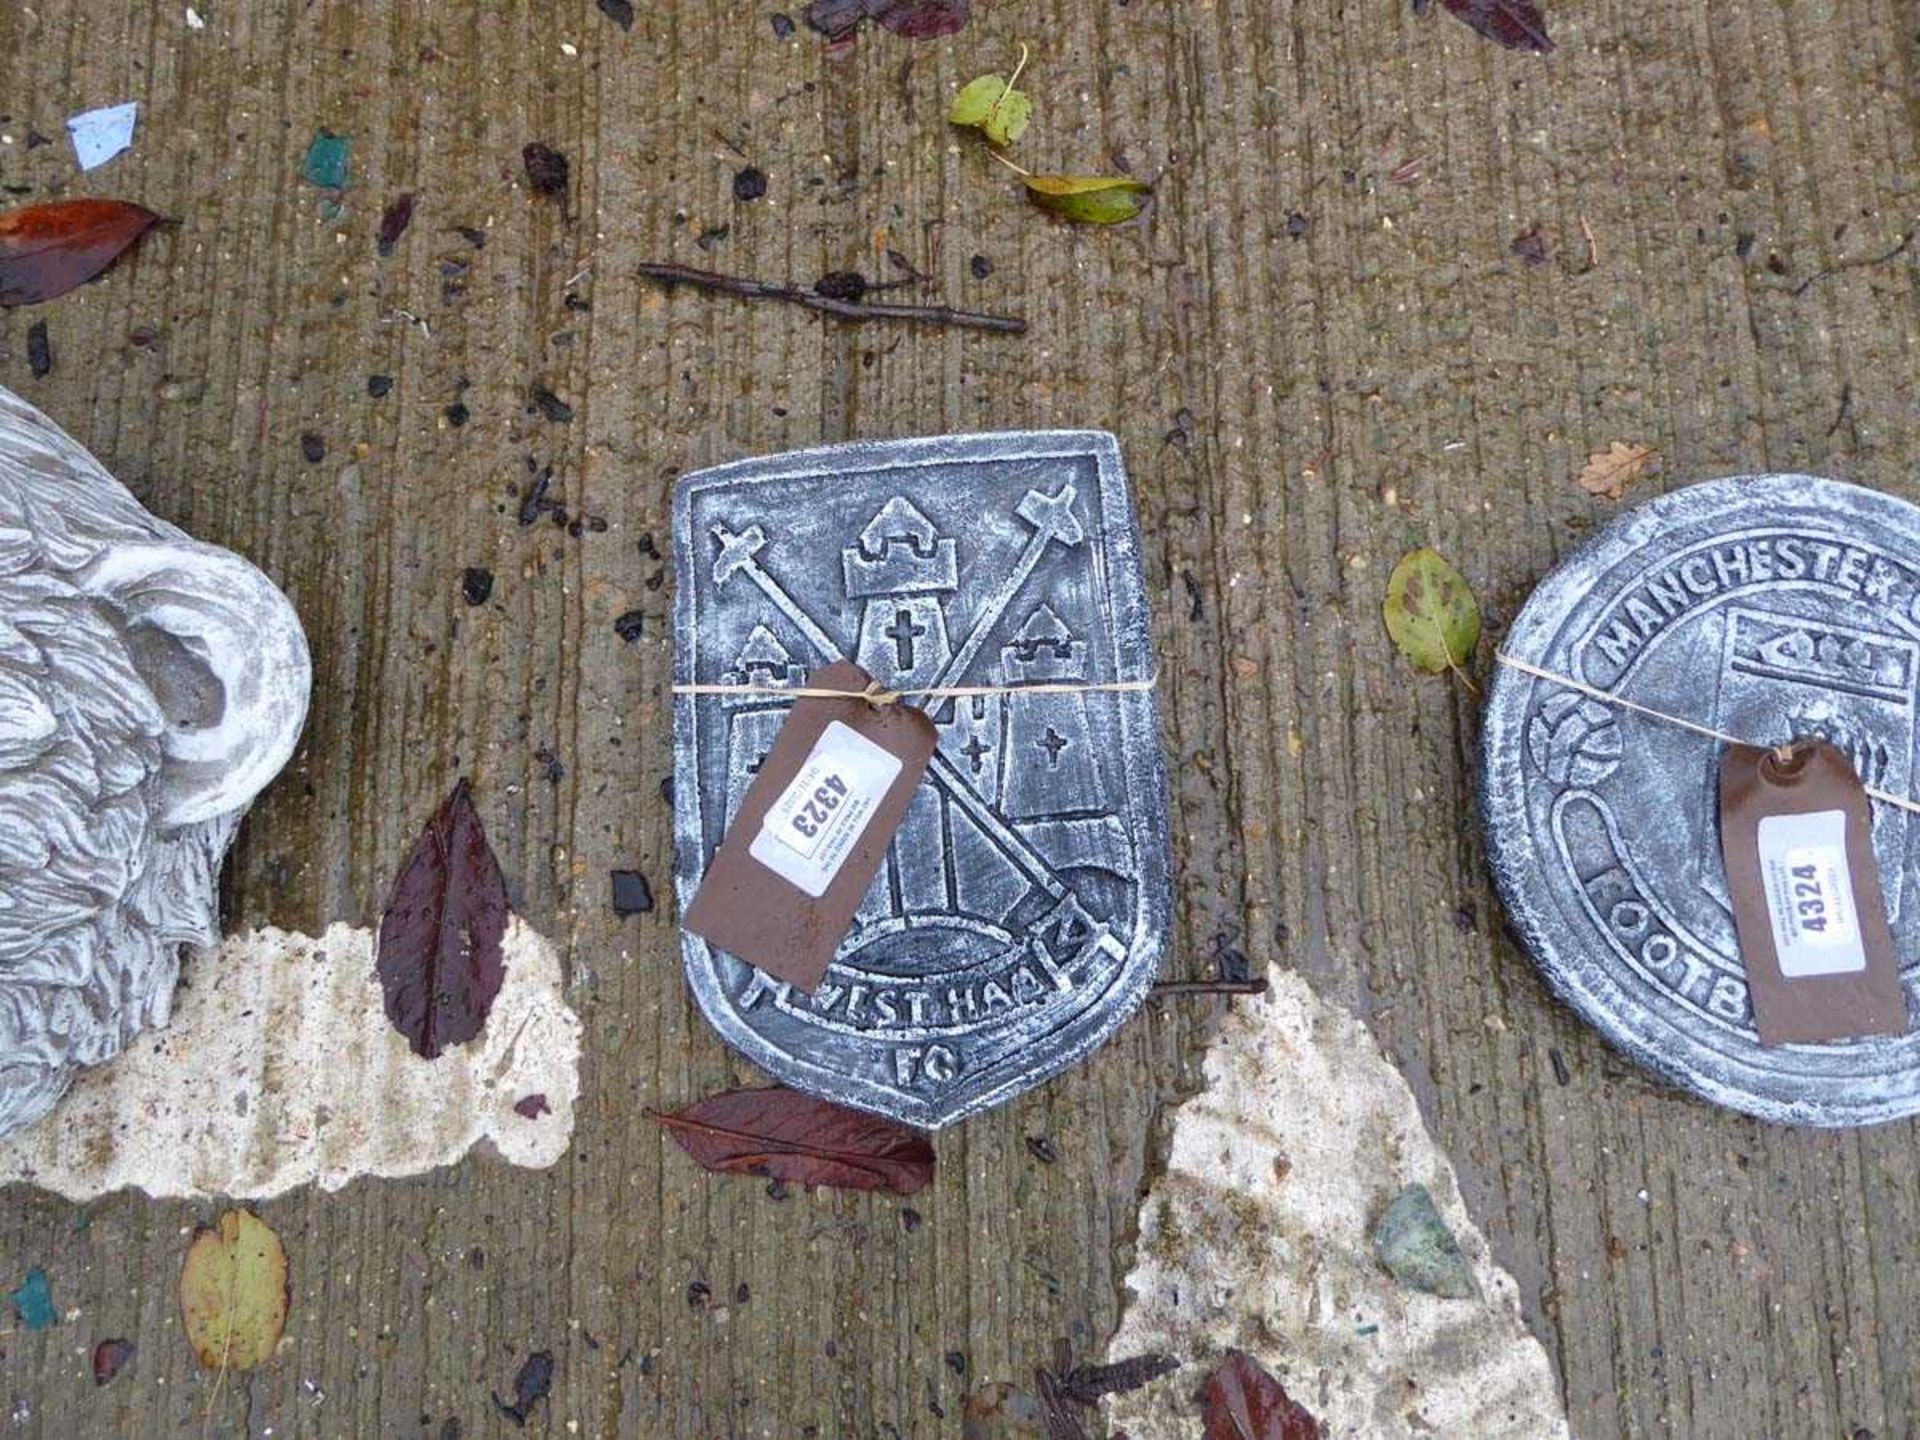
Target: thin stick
x=1894, y=254
x=669, y=275
x=1018, y=170
x=1167, y=989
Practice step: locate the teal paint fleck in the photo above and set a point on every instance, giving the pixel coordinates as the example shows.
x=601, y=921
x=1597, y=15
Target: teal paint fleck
x=326, y=162
x=34, y=1301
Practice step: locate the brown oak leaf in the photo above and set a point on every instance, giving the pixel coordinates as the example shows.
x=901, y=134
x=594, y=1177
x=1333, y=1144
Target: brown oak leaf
x=1609, y=473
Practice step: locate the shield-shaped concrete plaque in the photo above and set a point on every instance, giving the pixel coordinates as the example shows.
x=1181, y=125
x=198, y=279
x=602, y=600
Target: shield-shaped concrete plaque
x=1021, y=912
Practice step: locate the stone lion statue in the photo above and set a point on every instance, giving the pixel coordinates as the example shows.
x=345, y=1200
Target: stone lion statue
x=150, y=687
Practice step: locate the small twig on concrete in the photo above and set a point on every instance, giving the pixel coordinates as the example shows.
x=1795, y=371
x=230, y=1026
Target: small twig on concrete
x=1167, y=989
x=1593, y=247
x=669, y=275
x=1894, y=254
x=1846, y=408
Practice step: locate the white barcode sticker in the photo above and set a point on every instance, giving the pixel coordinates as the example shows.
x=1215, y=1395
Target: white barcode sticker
x=811, y=828
x=1803, y=867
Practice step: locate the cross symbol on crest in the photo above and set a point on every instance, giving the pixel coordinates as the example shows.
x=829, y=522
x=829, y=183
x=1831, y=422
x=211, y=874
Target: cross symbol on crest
x=903, y=632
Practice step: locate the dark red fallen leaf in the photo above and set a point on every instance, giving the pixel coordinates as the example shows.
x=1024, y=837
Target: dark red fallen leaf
x=1516, y=24
x=1244, y=1402
x=1057, y=1415
x=439, y=953
x=786, y=1135
x=108, y=1357
x=532, y=1107
x=394, y=221
x=913, y=19
x=46, y=250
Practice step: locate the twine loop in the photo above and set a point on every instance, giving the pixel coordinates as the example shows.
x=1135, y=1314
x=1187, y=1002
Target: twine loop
x=879, y=695
x=1782, y=753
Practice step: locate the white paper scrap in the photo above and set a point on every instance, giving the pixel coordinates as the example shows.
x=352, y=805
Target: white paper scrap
x=99, y=135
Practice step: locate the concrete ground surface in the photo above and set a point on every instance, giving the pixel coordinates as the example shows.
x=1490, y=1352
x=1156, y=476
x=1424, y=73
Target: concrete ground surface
x=1395, y=285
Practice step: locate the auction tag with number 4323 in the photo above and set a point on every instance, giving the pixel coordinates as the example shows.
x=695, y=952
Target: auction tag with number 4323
x=813, y=828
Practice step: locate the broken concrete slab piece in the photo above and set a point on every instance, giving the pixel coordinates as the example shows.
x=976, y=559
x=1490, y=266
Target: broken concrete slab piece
x=1256, y=1238
x=279, y=1069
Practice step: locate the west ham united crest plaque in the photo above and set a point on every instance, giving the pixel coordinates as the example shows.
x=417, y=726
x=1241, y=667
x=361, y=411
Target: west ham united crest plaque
x=1769, y=608
x=1021, y=910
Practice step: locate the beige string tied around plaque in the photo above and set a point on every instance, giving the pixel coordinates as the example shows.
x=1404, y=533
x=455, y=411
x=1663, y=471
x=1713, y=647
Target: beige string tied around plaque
x=878, y=694
x=1607, y=697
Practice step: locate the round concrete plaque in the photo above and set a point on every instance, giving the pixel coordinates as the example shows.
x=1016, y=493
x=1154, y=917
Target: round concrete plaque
x=1767, y=607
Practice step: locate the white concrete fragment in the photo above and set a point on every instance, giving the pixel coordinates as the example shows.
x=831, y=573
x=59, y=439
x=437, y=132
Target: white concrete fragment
x=1257, y=1238
x=99, y=135
x=280, y=1068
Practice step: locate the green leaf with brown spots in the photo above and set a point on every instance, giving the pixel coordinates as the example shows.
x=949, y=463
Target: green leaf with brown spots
x=1089, y=199
x=1431, y=613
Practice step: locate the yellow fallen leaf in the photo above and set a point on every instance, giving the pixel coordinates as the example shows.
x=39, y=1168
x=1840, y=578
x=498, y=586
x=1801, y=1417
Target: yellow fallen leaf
x=1609, y=473
x=233, y=1292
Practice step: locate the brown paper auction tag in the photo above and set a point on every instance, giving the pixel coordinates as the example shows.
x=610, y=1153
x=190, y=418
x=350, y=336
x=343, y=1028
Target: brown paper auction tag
x=1798, y=843
x=813, y=828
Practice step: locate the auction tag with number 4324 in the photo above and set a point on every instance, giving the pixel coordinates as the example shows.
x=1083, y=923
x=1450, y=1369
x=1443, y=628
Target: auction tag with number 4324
x=1803, y=865
x=1796, y=833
